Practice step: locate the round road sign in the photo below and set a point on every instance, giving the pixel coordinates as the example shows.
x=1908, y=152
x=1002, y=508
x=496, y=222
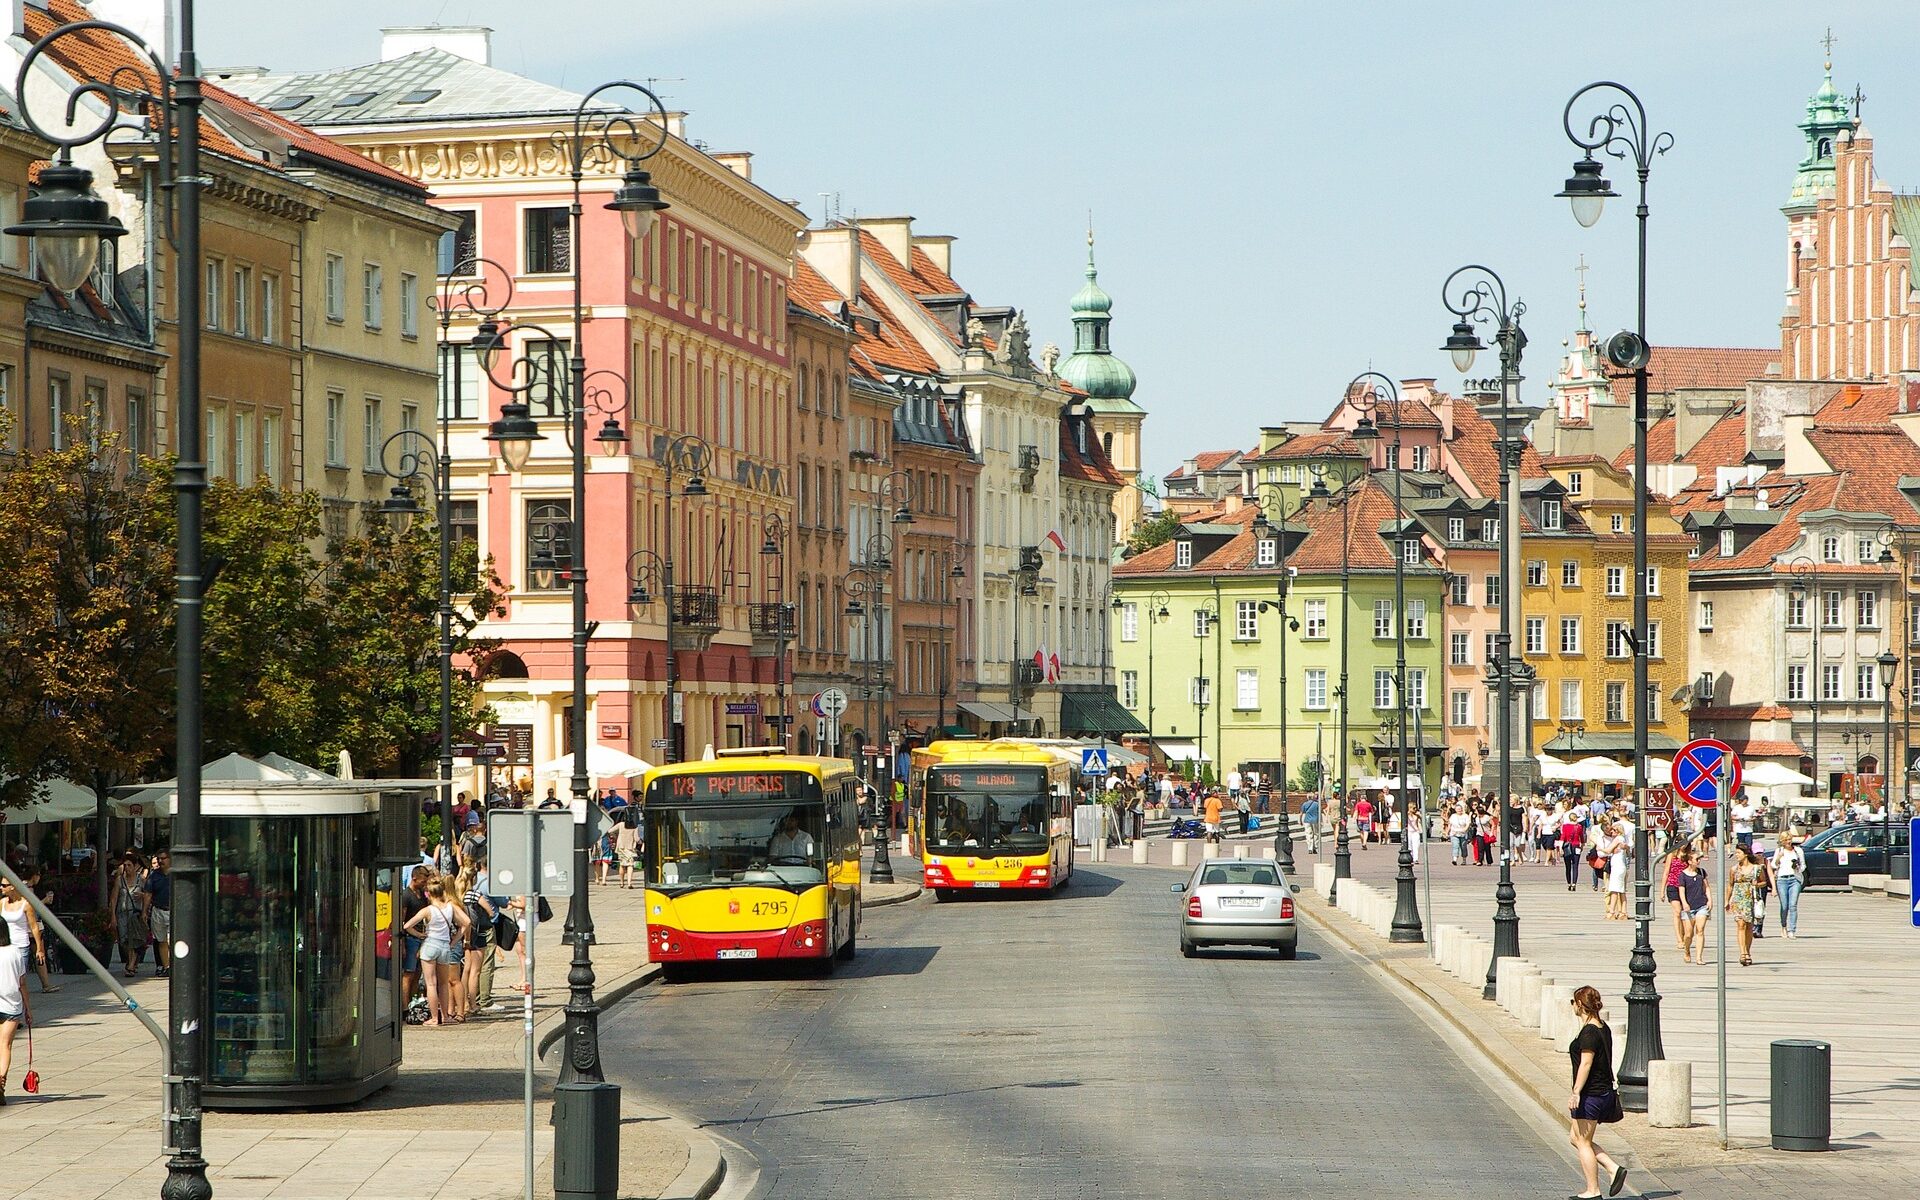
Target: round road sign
x=1696, y=772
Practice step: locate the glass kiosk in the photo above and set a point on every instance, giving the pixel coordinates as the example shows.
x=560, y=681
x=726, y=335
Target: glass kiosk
x=304, y=993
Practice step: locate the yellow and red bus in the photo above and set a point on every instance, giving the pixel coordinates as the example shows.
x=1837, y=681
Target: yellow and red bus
x=752, y=855
x=995, y=815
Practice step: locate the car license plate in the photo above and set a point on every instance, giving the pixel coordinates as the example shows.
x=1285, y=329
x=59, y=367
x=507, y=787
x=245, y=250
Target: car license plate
x=1239, y=902
x=747, y=952
x=988, y=883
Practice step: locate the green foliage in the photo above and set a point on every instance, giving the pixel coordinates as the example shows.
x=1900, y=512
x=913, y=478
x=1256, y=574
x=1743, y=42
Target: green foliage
x=1309, y=777
x=1151, y=532
x=307, y=650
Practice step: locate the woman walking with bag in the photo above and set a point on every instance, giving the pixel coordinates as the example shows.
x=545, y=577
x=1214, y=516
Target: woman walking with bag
x=1593, y=1101
x=14, y=1010
x=23, y=932
x=1743, y=896
x=1695, y=898
x=130, y=912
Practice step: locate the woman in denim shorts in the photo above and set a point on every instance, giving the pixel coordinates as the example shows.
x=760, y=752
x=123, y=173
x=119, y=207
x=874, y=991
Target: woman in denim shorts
x=444, y=925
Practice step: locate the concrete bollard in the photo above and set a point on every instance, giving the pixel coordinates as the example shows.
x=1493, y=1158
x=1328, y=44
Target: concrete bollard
x=906, y=845
x=1527, y=1003
x=1506, y=980
x=1268, y=852
x=1670, y=1093
x=1180, y=854
x=1516, y=989
x=1239, y=849
x=1477, y=962
x=1556, y=1001
x=1323, y=878
x=1140, y=851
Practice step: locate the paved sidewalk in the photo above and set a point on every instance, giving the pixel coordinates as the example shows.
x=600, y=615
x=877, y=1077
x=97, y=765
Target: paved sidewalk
x=1847, y=979
x=449, y=1127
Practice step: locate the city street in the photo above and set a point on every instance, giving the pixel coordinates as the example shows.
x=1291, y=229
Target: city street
x=1063, y=1048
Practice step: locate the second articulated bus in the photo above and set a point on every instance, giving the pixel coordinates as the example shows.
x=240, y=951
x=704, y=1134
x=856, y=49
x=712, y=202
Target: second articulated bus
x=994, y=816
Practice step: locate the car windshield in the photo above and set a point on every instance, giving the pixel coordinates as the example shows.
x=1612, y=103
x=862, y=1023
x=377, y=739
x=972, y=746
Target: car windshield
x=987, y=810
x=776, y=845
x=1243, y=874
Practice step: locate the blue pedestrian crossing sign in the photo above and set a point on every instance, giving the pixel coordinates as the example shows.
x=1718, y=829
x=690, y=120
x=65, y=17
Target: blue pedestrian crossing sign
x=1093, y=760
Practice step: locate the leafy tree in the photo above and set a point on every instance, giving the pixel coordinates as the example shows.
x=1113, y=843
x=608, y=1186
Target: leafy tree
x=1309, y=776
x=85, y=624
x=1153, y=531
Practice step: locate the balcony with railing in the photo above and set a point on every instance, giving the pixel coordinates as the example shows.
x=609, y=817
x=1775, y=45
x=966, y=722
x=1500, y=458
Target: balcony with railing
x=696, y=616
x=773, y=626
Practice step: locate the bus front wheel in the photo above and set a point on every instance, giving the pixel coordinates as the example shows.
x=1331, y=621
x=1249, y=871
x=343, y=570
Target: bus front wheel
x=846, y=952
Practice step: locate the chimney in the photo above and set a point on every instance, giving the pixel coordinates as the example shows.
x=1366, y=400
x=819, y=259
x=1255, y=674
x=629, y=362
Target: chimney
x=939, y=248
x=740, y=162
x=471, y=42
x=1230, y=503
x=835, y=253
x=895, y=233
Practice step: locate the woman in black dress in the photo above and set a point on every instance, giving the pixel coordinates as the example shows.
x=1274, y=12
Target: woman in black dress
x=1593, y=1101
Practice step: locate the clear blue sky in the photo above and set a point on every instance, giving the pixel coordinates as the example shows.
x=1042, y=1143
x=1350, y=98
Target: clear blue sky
x=1279, y=187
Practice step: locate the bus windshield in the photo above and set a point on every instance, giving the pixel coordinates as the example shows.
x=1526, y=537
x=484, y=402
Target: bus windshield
x=987, y=810
x=724, y=828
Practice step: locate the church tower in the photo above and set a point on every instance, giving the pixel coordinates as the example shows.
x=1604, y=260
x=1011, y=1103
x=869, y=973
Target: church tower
x=1109, y=384
x=1828, y=123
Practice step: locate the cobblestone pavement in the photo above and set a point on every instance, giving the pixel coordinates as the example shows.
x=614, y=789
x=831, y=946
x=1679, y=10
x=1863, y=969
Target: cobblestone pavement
x=1061, y=1048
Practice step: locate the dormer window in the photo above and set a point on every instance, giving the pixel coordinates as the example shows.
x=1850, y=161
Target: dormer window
x=1456, y=529
x=1183, y=554
x=1490, y=529
x=1422, y=458
x=1726, y=543
x=1410, y=551
x=1830, y=549
x=1576, y=482
x=1266, y=553
x=1550, y=514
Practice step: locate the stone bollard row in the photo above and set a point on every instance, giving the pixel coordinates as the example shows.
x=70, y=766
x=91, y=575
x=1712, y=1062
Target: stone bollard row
x=1556, y=1012
x=1180, y=854
x=1323, y=878
x=1268, y=852
x=1239, y=849
x=1527, y=1002
x=1140, y=851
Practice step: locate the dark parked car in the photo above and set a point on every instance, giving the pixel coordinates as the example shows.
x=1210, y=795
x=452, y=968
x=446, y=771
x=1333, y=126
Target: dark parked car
x=1853, y=848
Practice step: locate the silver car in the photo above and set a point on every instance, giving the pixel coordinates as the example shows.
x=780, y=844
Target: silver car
x=1233, y=901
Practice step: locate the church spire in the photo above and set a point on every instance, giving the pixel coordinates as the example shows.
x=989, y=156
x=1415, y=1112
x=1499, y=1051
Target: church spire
x=1092, y=366
x=1828, y=119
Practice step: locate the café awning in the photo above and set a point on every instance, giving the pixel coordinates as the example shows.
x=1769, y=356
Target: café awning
x=1096, y=712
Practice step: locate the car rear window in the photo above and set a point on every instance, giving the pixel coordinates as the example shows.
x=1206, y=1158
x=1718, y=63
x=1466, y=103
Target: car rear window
x=1250, y=873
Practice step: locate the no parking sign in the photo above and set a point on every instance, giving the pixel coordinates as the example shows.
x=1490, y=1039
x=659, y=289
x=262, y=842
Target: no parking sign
x=1696, y=772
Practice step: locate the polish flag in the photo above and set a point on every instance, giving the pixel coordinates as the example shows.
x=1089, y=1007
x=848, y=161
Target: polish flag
x=1059, y=543
x=1053, y=667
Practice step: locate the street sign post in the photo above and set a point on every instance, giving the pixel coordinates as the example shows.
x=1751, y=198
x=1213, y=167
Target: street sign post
x=1660, y=809
x=1697, y=772
x=1913, y=867
x=1093, y=760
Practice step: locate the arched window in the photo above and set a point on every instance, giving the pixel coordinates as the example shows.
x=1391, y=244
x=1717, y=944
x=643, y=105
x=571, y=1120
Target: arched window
x=836, y=397
x=800, y=397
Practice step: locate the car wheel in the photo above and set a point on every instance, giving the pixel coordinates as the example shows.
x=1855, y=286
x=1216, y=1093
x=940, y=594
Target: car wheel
x=1188, y=949
x=940, y=895
x=672, y=973
x=1287, y=950
x=846, y=952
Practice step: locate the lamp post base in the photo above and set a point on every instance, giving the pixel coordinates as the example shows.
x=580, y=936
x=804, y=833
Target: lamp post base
x=1342, y=862
x=1506, y=927
x=1406, y=910
x=1283, y=839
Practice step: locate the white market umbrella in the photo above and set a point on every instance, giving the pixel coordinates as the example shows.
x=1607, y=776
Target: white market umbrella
x=53, y=800
x=1772, y=774
x=1595, y=769
x=603, y=762
x=1554, y=771
x=1660, y=771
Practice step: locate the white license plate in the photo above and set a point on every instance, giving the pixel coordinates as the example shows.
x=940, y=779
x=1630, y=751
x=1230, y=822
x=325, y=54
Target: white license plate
x=986, y=883
x=748, y=952
x=1239, y=902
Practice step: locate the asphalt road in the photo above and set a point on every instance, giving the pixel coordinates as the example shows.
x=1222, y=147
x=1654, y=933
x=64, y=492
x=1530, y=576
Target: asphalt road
x=1012, y=1047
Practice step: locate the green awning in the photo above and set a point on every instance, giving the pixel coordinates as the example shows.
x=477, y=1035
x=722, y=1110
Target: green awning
x=1096, y=713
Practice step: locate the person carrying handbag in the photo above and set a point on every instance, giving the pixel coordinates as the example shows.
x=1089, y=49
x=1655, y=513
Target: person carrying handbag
x=1594, y=1100
x=14, y=1010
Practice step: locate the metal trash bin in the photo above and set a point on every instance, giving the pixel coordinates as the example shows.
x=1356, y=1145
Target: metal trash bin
x=586, y=1141
x=1802, y=1073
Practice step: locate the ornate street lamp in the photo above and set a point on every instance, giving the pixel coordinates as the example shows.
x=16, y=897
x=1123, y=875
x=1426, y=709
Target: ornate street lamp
x=1320, y=468
x=1889, y=664
x=1475, y=295
x=66, y=221
x=1265, y=530
x=1620, y=130
x=866, y=589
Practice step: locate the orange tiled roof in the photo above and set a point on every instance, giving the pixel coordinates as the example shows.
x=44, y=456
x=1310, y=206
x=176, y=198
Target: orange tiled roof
x=313, y=144
x=1871, y=462
x=1331, y=443
x=1206, y=460
x=1698, y=367
x=1790, y=496
x=920, y=278
x=1159, y=560
x=1766, y=748
x=95, y=55
x=1473, y=448
x=1092, y=467
x=892, y=349
x=1743, y=712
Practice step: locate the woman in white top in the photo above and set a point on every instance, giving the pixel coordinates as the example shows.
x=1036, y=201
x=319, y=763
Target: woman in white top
x=1614, y=846
x=444, y=926
x=1790, y=879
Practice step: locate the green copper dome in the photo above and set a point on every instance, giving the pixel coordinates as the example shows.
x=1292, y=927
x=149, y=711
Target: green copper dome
x=1827, y=121
x=1092, y=367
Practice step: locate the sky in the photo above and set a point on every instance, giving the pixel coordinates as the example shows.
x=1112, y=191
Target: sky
x=1279, y=188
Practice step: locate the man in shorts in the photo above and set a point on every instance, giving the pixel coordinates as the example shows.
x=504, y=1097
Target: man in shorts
x=1213, y=816
x=158, y=906
x=413, y=898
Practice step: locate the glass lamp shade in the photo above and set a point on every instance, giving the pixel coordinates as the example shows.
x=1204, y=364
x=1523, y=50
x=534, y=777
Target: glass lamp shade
x=1889, y=665
x=612, y=438
x=855, y=608
x=66, y=221
x=1462, y=344
x=515, y=433
x=544, y=570
x=399, y=509
x=638, y=202
x=1364, y=430
x=488, y=340
x=696, y=486
x=1587, y=190
x=903, y=515
x=639, y=597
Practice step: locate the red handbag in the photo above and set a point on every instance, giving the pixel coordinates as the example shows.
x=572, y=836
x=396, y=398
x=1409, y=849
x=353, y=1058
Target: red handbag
x=31, y=1084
